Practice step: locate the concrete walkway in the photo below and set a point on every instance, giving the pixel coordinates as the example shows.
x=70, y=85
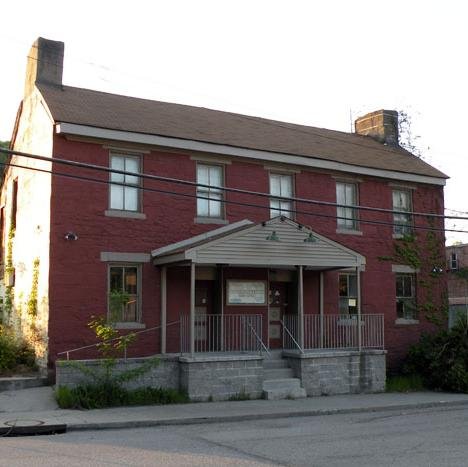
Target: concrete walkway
x=36, y=406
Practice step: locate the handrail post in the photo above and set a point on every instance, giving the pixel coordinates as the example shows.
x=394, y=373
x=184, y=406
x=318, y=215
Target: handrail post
x=358, y=285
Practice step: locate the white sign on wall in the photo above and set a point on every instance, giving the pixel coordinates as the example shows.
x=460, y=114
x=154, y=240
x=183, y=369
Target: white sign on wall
x=246, y=292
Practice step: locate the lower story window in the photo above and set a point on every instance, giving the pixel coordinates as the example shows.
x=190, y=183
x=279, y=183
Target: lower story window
x=348, y=294
x=406, y=307
x=124, y=294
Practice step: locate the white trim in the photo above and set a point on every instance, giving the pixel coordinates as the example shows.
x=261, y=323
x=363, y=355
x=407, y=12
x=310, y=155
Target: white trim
x=348, y=231
x=403, y=269
x=191, y=145
x=124, y=214
x=199, y=238
x=206, y=158
x=126, y=150
x=280, y=169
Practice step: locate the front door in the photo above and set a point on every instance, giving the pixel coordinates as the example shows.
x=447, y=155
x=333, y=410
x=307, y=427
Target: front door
x=278, y=304
x=204, y=335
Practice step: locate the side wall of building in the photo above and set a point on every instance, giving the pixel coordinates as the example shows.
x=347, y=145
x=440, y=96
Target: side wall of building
x=25, y=234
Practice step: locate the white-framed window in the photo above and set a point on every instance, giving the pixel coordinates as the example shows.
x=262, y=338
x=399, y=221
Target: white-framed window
x=453, y=262
x=124, y=293
x=402, y=222
x=210, y=204
x=125, y=198
x=281, y=185
x=348, y=293
x=346, y=197
x=406, y=306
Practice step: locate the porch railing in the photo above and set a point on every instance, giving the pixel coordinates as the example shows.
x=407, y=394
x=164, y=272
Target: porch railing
x=336, y=331
x=222, y=333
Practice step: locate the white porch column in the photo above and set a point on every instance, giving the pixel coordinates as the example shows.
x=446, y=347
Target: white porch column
x=163, y=308
x=300, y=306
x=192, y=308
x=321, y=308
x=358, y=285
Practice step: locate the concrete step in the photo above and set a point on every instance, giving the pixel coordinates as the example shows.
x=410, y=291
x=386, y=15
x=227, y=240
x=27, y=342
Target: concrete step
x=284, y=388
x=278, y=373
x=273, y=364
x=22, y=382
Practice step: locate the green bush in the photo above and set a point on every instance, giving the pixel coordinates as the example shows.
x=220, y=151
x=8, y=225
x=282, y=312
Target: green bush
x=404, y=383
x=442, y=359
x=98, y=396
x=14, y=352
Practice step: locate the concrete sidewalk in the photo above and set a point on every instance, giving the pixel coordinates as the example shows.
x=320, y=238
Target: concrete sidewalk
x=24, y=409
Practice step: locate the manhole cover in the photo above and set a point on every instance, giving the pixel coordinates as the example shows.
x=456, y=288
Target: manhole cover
x=19, y=422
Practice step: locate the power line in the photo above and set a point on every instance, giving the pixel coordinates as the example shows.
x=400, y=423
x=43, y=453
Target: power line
x=224, y=201
x=223, y=188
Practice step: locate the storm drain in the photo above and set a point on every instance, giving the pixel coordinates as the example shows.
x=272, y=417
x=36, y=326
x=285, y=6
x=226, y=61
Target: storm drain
x=30, y=427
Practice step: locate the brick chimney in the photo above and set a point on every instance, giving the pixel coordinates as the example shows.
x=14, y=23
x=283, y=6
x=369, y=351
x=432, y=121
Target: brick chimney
x=45, y=64
x=381, y=125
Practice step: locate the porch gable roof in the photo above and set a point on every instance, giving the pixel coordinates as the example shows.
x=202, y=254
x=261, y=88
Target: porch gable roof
x=248, y=244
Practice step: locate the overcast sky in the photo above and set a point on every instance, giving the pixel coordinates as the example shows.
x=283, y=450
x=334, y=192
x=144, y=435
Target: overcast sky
x=319, y=63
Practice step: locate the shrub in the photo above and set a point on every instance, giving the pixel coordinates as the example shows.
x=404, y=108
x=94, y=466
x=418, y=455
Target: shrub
x=404, y=383
x=98, y=396
x=14, y=352
x=442, y=359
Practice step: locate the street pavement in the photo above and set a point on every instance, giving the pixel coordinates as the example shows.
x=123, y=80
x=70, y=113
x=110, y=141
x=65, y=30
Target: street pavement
x=434, y=436
x=36, y=407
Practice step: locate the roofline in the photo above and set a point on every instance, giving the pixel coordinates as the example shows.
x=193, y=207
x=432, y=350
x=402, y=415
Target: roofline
x=192, y=145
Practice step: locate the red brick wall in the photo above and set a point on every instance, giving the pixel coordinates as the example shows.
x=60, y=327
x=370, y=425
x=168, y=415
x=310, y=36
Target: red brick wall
x=78, y=279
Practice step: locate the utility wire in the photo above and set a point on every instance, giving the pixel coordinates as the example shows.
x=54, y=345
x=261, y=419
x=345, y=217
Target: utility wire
x=222, y=188
x=224, y=201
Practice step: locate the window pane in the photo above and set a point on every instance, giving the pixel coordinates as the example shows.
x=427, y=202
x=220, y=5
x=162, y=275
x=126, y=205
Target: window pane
x=340, y=193
x=116, y=279
x=352, y=285
x=275, y=185
x=131, y=280
x=202, y=175
x=202, y=206
x=274, y=208
x=214, y=208
x=132, y=165
x=117, y=162
x=286, y=185
x=285, y=208
x=215, y=174
x=116, y=197
x=131, y=199
x=343, y=285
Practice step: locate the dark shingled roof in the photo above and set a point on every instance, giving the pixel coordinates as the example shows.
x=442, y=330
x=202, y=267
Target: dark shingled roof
x=111, y=111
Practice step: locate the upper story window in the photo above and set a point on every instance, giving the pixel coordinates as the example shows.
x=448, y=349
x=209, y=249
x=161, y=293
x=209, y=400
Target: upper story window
x=210, y=202
x=124, y=294
x=281, y=185
x=346, y=197
x=125, y=198
x=348, y=294
x=453, y=262
x=406, y=296
x=402, y=222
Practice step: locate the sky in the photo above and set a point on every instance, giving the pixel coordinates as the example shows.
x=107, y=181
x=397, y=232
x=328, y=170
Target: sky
x=318, y=63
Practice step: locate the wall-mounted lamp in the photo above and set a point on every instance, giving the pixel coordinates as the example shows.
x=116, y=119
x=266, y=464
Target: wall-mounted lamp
x=273, y=237
x=71, y=236
x=310, y=238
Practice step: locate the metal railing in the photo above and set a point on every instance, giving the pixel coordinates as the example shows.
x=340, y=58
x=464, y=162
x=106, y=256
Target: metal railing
x=97, y=344
x=222, y=333
x=336, y=331
x=288, y=338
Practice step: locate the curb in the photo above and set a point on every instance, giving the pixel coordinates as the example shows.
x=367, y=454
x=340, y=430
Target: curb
x=239, y=418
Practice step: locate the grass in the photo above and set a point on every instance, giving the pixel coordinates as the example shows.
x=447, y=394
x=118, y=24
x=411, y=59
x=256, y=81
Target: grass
x=404, y=383
x=240, y=396
x=113, y=395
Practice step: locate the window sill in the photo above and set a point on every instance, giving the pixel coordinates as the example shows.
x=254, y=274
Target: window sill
x=348, y=232
x=124, y=214
x=398, y=236
x=129, y=325
x=210, y=220
x=406, y=321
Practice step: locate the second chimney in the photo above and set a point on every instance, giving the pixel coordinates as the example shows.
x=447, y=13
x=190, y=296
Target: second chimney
x=45, y=64
x=381, y=125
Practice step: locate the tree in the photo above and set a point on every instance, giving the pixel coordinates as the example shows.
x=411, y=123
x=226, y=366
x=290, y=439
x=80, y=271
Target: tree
x=406, y=137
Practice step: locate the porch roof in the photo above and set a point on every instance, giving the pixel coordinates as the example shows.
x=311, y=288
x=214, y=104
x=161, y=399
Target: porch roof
x=247, y=244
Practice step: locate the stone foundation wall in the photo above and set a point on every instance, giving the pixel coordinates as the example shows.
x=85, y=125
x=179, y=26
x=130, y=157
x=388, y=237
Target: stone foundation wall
x=339, y=372
x=165, y=374
x=222, y=377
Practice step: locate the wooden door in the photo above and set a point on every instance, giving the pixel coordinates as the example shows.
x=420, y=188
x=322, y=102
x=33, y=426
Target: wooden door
x=278, y=305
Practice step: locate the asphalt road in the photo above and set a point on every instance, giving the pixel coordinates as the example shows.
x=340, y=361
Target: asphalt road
x=429, y=437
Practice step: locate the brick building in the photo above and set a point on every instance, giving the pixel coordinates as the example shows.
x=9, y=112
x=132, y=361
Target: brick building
x=214, y=267
x=457, y=282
